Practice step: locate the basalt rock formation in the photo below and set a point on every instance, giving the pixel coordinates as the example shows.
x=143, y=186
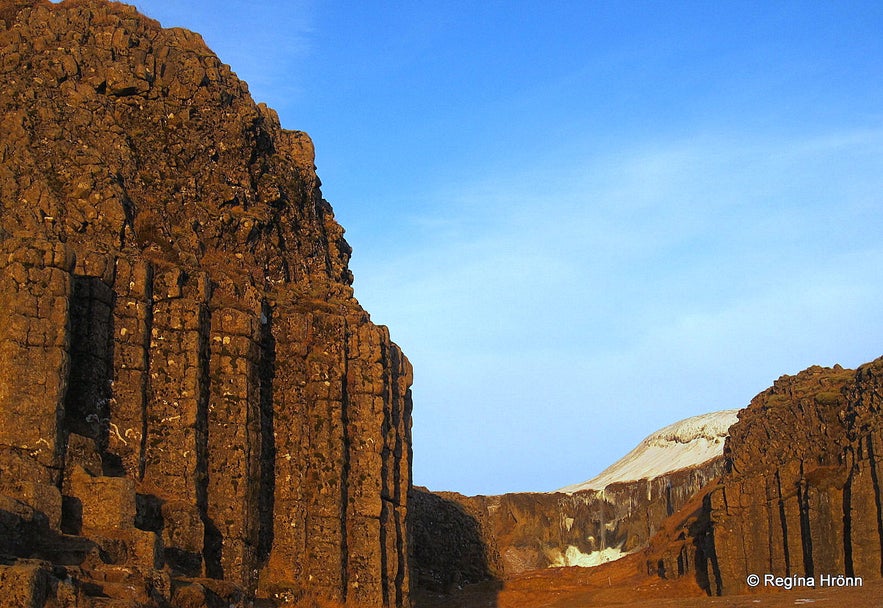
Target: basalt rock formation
x=193, y=406
x=802, y=493
x=797, y=493
x=465, y=539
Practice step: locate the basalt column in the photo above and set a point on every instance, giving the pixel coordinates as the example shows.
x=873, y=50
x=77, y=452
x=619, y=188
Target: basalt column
x=91, y=325
x=234, y=441
x=379, y=423
x=182, y=356
x=801, y=496
x=864, y=496
x=342, y=469
x=133, y=320
x=781, y=507
x=175, y=443
x=35, y=292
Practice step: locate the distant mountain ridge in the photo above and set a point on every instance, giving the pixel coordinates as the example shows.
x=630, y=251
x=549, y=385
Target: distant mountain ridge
x=682, y=445
x=461, y=539
x=794, y=491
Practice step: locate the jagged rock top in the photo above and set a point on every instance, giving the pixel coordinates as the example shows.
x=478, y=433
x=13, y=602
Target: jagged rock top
x=812, y=401
x=127, y=137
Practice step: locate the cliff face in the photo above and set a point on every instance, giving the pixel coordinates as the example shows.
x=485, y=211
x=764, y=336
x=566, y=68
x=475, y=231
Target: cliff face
x=502, y=536
x=802, y=493
x=459, y=539
x=796, y=493
x=188, y=389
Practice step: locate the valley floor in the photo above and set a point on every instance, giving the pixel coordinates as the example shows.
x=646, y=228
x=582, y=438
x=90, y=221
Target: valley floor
x=621, y=585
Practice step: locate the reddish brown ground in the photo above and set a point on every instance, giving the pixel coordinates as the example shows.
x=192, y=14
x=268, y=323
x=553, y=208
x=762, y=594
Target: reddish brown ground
x=622, y=585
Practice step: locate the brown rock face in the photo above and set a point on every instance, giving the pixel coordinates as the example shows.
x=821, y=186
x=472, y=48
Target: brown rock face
x=802, y=494
x=188, y=389
x=465, y=539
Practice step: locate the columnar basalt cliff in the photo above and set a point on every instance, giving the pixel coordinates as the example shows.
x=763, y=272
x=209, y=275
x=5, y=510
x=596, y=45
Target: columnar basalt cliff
x=802, y=495
x=193, y=406
x=461, y=539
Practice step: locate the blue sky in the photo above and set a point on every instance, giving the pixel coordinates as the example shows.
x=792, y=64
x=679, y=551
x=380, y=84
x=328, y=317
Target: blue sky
x=583, y=221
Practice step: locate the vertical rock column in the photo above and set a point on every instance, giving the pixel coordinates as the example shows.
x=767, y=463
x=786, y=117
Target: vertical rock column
x=366, y=569
x=864, y=508
x=308, y=550
x=285, y=564
x=176, y=408
x=783, y=506
x=91, y=326
x=378, y=423
x=865, y=497
x=342, y=468
x=325, y=458
x=234, y=443
x=176, y=431
x=35, y=289
x=133, y=317
x=788, y=523
x=824, y=500
x=396, y=473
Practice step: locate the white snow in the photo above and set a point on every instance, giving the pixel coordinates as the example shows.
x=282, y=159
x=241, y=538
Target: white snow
x=683, y=444
x=574, y=557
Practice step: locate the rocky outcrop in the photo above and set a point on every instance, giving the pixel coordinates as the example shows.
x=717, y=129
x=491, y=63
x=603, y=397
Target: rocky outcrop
x=450, y=548
x=801, y=497
x=193, y=406
x=501, y=536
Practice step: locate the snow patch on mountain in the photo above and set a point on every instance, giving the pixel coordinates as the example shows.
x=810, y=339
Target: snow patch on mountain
x=681, y=445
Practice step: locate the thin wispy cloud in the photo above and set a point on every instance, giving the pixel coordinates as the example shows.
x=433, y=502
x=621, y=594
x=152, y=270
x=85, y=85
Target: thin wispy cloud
x=583, y=221
x=265, y=46
x=663, y=277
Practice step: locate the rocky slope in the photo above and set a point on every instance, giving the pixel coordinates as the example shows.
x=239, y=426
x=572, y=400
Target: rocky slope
x=193, y=407
x=801, y=496
x=587, y=524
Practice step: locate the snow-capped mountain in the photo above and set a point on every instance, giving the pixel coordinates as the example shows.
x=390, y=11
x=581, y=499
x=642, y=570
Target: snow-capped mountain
x=681, y=445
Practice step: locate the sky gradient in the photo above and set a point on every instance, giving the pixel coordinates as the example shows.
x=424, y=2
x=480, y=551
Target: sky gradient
x=583, y=221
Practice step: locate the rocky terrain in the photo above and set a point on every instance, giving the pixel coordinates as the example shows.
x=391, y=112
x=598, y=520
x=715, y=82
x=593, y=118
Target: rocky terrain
x=798, y=499
x=801, y=495
x=460, y=539
x=194, y=409
x=622, y=584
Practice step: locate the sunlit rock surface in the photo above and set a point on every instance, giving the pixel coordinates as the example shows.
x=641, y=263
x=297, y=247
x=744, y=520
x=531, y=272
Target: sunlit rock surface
x=193, y=406
x=801, y=495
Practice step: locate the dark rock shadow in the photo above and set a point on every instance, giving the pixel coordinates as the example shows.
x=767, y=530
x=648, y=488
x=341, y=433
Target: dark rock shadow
x=707, y=570
x=448, y=552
